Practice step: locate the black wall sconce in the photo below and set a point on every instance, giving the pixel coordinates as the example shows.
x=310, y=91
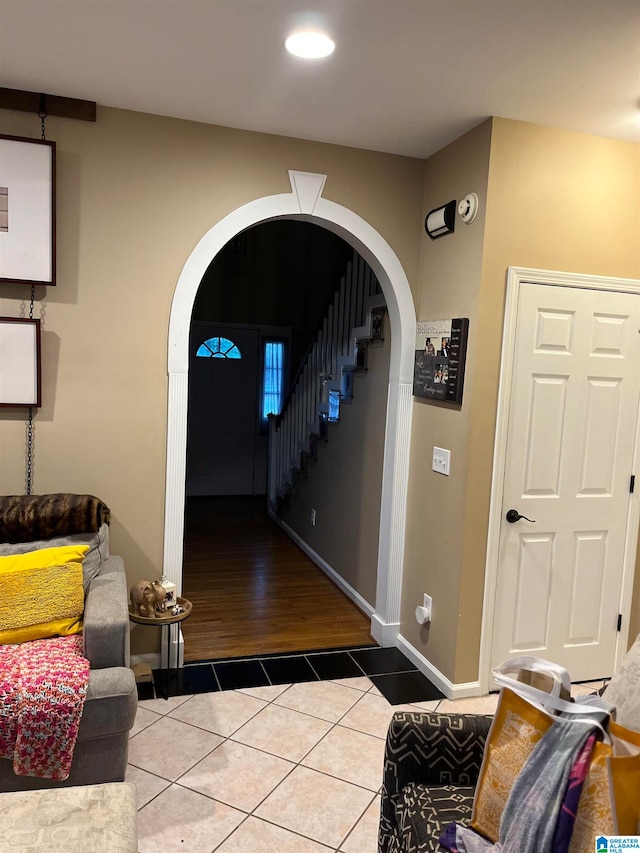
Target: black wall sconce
x=441, y=220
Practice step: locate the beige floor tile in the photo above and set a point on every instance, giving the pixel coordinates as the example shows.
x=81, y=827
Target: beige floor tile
x=147, y=785
x=222, y=713
x=267, y=693
x=237, y=775
x=361, y=683
x=585, y=689
x=183, y=820
x=471, y=705
x=143, y=719
x=169, y=748
x=349, y=755
x=364, y=838
x=374, y=691
x=371, y=715
x=163, y=706
x=280, y=731
x=426, y=706
x=258, y=836
x=322, y=699
x=316, y=806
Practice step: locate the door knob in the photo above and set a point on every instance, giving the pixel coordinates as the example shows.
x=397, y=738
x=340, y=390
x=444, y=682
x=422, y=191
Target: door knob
x=513, y=515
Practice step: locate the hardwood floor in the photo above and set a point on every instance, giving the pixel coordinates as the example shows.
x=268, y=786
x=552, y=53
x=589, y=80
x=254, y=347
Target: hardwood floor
x=254, y=592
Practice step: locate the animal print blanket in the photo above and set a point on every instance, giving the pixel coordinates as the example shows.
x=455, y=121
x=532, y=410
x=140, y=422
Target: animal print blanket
x=27, y=518
x=43, y=686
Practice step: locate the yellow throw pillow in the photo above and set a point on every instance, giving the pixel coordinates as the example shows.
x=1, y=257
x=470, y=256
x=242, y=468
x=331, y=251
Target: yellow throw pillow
x=42, y=594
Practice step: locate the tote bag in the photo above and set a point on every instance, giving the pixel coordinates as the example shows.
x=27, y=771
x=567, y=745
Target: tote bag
x=609, y=804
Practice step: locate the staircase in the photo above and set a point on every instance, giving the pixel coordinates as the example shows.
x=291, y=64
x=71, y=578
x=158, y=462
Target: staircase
x=325, y=377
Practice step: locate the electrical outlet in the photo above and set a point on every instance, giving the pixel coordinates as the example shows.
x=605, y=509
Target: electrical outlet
x=313, y=518
x=441, y=460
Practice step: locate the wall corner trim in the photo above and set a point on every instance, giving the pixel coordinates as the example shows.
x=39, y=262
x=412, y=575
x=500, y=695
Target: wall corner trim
x=384, y=633
x=450, y=689
x=307, y=188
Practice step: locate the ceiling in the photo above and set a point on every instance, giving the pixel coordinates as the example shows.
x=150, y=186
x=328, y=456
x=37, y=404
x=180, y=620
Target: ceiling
x=407, y=76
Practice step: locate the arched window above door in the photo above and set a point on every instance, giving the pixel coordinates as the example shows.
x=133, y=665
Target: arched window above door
x=218, y=348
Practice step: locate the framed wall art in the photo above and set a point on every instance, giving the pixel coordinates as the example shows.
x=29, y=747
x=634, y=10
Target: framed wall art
x=27, y=210
x=440, y=357
x=19, y=362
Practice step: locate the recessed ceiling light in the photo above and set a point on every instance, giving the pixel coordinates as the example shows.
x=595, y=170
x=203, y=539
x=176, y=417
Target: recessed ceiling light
x=310, y=45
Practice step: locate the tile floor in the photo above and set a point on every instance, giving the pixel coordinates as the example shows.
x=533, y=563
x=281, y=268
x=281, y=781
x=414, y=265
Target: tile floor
x=275, y=768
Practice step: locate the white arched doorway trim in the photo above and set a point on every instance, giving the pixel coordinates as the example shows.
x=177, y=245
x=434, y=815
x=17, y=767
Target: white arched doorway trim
x=305, y=202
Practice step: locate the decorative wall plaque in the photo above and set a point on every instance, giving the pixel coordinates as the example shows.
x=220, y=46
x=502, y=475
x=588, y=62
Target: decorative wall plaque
x=441, y=351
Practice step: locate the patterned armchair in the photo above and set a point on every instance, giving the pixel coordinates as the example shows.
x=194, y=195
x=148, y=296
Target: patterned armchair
x=432, y=763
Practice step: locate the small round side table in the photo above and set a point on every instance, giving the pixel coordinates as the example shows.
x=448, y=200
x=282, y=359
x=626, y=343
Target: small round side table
x=166, y=621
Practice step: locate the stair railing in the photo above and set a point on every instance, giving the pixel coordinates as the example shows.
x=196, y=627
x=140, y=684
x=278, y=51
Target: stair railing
x=321, y=378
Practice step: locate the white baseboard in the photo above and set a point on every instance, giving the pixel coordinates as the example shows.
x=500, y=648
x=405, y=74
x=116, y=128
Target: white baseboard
x=384, y=633
x=449, y=688
x=339, y=581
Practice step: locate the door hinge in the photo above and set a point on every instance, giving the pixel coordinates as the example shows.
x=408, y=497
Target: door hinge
x=632, y=483
x=619, y=628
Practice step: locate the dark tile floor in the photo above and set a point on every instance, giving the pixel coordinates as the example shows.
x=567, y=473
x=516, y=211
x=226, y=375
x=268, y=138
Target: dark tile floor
x=393, y=674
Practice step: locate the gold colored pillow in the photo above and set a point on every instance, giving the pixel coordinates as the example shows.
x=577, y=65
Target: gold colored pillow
x=42, y=594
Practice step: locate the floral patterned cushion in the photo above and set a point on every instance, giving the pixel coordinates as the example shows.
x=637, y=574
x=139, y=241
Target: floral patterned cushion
x=73, y=820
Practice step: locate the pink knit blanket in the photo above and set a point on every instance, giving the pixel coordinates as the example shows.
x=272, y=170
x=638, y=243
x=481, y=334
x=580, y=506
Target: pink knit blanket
x=43, y=685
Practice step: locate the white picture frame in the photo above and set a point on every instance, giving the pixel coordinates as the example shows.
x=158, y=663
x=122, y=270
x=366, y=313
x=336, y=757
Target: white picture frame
x=20, y=384
x=27, y=210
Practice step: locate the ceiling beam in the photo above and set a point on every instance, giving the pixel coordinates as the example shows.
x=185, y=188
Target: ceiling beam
x=51, y=105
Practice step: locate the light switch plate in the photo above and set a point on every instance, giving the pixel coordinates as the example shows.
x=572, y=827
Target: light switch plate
x=441, y=460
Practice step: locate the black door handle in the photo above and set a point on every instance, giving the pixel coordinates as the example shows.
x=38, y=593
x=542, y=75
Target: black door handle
x=513, y=515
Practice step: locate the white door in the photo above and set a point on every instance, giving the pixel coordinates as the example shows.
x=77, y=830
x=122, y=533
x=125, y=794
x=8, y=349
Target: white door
x=569, y=457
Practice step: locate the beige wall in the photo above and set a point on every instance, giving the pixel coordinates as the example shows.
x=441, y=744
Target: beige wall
x=344, y=484
x=135, y=194
x=560, y=201
x=450, y=278
x=547, y=196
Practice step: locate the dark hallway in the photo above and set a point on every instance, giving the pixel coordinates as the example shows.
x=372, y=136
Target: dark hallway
x=253, y=590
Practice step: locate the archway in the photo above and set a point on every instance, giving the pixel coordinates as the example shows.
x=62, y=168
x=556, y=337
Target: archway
x=305, y=202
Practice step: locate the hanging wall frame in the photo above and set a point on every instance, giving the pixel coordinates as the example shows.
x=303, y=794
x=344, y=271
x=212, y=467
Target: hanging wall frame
x=19, y=362
x=27, y=210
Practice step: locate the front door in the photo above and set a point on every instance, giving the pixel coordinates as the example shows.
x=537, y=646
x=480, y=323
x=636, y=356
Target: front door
x=223, y=401
x=569, y=459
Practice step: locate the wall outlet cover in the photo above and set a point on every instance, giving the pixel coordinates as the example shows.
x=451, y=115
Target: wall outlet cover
x=441, y=460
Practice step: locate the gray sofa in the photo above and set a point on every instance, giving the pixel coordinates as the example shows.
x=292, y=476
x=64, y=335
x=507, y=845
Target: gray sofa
x=101, y=749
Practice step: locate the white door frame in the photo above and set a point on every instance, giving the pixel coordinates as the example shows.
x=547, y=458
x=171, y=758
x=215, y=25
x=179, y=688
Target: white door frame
x=305, y=202
x=516, y=276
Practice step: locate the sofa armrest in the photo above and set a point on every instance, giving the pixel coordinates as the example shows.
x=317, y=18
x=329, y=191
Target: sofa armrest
x=111, y=703
x=429, y=749
x=106, y=617
x=434, y=749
